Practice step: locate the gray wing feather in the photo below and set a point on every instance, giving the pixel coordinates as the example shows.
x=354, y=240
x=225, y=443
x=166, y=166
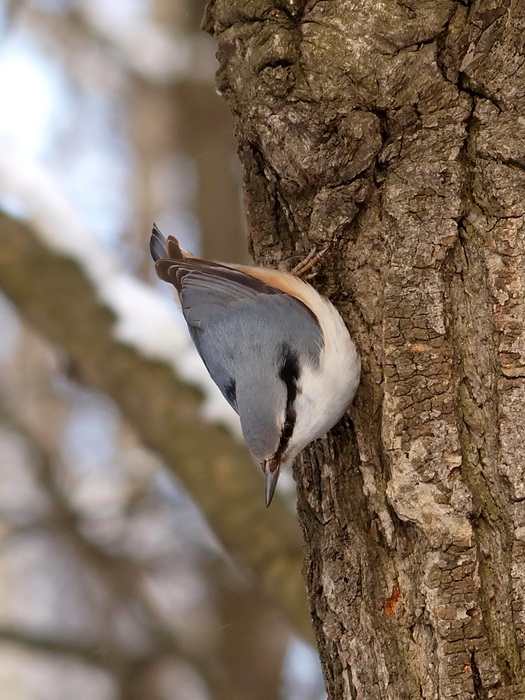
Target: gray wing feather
x=249, y=337
x=204, y=295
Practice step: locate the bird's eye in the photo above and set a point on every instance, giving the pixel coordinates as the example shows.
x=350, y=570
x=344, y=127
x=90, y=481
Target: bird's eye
x=287, y=430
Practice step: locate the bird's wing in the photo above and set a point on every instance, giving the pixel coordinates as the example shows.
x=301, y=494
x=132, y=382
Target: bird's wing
x=246, y=339
x=204, y=287
x=206, y=291
x=232, y=315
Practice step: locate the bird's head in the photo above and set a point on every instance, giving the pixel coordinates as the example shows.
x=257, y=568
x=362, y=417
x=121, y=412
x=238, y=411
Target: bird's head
x=273, y=410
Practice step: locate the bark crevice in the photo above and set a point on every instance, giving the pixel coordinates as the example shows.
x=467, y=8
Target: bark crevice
x=402, y=141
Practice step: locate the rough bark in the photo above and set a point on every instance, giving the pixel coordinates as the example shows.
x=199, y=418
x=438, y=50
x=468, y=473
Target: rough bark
x=394, y=133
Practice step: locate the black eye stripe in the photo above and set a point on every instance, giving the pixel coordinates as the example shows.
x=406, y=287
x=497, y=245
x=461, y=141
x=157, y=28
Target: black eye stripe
x=289, y=374
x=288, y=430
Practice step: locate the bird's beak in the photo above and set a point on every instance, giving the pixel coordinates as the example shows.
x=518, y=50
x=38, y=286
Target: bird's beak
x=271, y=469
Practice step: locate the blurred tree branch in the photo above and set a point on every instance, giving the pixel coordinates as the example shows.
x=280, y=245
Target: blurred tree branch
x=124, y=578
x=55, y=295
x=91, y=654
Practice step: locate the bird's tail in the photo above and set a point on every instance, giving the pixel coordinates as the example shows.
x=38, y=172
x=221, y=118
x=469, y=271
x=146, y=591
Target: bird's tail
x=157, y=244
x=162, y=249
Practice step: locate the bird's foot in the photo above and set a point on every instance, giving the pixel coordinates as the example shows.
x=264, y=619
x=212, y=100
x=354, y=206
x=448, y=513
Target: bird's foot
x=303, y=269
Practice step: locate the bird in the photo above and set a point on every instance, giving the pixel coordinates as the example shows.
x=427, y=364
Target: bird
x=279, y=352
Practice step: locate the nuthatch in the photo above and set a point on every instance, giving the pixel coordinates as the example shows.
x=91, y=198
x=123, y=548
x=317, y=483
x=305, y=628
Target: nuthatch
x=279, y=352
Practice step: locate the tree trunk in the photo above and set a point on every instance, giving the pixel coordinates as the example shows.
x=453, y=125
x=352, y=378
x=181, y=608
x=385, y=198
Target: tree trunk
x=393, y=133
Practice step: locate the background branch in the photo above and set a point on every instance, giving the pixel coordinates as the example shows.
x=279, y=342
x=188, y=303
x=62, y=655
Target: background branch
x=56, y=296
